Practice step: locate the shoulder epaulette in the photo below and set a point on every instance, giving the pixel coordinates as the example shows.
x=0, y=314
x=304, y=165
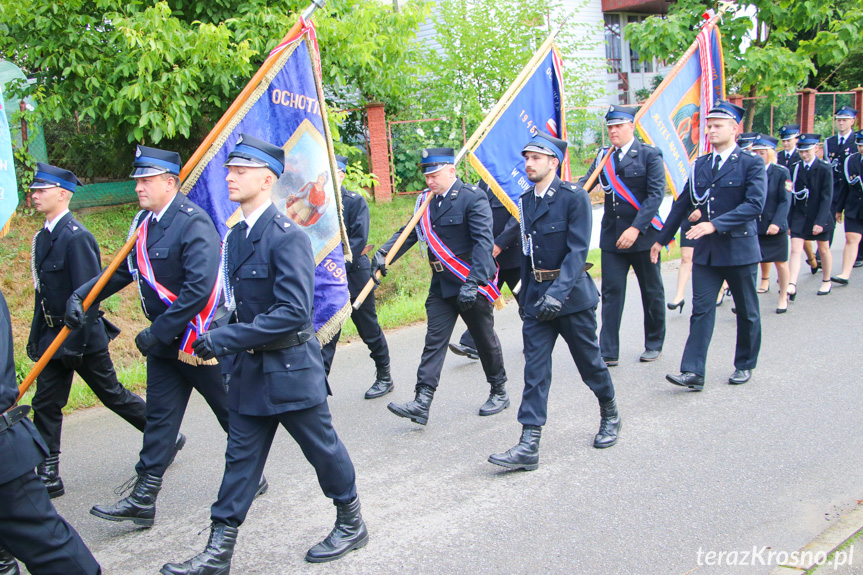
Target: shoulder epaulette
x=282, y=222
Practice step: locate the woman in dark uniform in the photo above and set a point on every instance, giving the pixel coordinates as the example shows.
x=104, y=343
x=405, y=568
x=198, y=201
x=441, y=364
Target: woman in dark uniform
x=811, y=218
x=851, y=203
x=773, y=221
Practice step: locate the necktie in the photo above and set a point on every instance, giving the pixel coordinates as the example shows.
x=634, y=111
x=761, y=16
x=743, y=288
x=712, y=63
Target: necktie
x=716, y=160
x=841, y=140
x=241, y=228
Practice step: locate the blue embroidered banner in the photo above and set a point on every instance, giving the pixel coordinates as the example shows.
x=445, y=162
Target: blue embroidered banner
x=536, y=105
x=8, y=184
x=675, y=122
x=287, y=109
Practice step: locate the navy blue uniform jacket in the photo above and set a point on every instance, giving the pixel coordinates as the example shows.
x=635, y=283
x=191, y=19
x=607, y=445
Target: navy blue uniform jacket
x=817, y=208
x=778, y=201
x=505, y=230
x=836, y=155
x=464, y=224
x=355, y=212
x=783, y=159
x=735, y=200
x=272, y=273
x=65, y=259
x=851, y=196
x=21, y=446
x=560, y=230
x=643, y=172
x=184, y=250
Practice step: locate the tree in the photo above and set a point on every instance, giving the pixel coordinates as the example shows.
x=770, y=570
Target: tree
x=771, y=48
x=484, y=44
x=168, y=70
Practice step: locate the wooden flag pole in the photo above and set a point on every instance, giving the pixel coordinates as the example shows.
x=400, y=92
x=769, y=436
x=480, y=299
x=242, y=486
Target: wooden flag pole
x=723, y=7
x=190, y=164
x=370, y=285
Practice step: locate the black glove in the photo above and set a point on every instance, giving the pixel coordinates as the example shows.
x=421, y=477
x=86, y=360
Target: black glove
x=204, y=348
x=379, y=263
x=549, y=307
x=32, y=351
x=72, y=359
x=521, y=313
x=145, y=341
x=74, y=317
x=467, y=295
x=226, y=381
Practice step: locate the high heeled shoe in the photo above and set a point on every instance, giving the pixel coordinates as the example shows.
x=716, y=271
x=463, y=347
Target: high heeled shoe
x=679, y=305
x=721, y=298
x=792, y=296
x=829, y=288
x=813, y=265
x=765, y=290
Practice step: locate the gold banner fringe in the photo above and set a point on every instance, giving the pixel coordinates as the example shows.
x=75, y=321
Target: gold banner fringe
x=329, y=330
x=499, y=304
x=190, y=359
x=5, y=229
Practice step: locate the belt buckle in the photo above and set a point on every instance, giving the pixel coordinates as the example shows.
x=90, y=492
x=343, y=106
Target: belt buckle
x=537, y=275
x=45, y=314
x=437, y=266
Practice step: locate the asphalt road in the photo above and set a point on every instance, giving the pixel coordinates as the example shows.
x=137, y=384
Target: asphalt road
x=767, y=464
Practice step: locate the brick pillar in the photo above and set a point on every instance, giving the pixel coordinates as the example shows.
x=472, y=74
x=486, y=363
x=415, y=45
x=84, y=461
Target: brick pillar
x=858, y=104
x=806, y=110
x=736, y=99
x=379, y=154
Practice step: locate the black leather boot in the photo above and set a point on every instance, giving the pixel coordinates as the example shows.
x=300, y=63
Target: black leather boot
x=350, y=533
x=263, y=486
x=609, y=425
x=525, y=455
x=497, y=401
x=418, y=409
x=139, y=507
x=214, y=560
x=49, y=472
x=8, y=565
x=383, y=382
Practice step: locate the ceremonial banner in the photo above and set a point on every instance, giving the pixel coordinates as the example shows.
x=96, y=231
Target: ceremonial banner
x=8, y=184
x=287, y=109
x=674, y=120
x=537, y=104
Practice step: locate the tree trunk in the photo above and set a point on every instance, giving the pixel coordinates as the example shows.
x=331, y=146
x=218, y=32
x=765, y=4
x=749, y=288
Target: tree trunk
x=750, y=113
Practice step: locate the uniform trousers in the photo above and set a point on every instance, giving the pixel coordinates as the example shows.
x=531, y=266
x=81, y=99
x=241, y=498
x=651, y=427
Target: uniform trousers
x=706, y=282
x=615, y=269
x=510, y=277
x=34, y=533
x=249, y=442
x=578, y=330
x=442, y=314
x=97, y=371
x=366, y=321
x=169, y=385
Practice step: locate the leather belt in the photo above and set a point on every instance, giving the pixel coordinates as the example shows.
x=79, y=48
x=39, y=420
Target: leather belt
x=549, y=275
x=13, y=416
x=51, y=320
x=437, y=265
x=290, y=340
x=545, y=275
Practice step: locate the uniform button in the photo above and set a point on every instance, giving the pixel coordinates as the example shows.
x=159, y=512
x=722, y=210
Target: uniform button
x=287, y=365
x=236, y=279
x=241, y=303
x=713, y=198
x=254, y=272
